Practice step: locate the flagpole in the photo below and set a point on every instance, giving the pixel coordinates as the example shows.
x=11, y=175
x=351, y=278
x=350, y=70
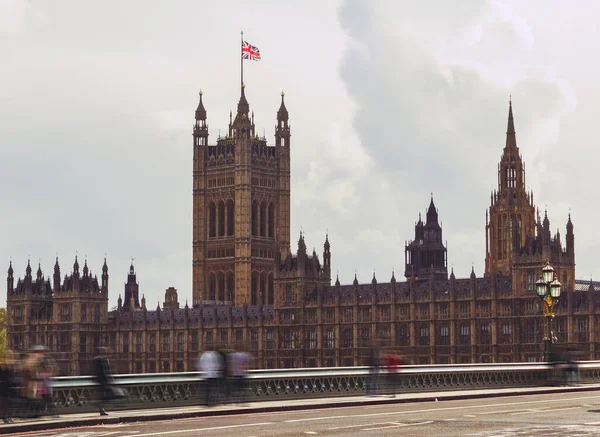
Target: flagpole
x=242, y=60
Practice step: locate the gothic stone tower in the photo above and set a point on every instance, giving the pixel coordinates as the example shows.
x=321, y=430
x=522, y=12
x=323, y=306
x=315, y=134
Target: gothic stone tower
x=517, y=243
x=426, y=254
x=241, y=209
x=511, y=214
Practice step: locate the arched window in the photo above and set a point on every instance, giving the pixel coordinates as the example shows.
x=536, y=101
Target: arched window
x=230, y=218
x=231, y=287
x=263, y=289
x=271, y=294
x=254, y=218
x=212, y=287
x=212, y=220
x=271, y=220
x=221, y=219
x=254, y=289
x=263, y=219
x=221, y=287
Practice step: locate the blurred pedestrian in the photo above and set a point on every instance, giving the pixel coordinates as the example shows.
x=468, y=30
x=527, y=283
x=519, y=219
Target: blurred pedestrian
x=240, y=361
x=210, y=366
x=6, y=388
x=104, y=379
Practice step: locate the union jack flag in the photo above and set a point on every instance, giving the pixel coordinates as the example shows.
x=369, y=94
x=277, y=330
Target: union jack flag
x=250, y=52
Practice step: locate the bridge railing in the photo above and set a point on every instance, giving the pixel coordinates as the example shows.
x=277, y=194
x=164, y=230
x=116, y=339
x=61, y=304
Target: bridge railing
x=155, y=390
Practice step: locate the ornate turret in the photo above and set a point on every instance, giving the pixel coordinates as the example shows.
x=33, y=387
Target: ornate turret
x=104, y=277
x=131, y=291
x=327, y=256
x=200, y=126
x=10, y=279
x=28, y=271
x=76, y=267
x=282, y=114
x=86, y=270
x=570, y=239
x=56, y=276
x=200, y=111
x=426, y=254
x=39, y=274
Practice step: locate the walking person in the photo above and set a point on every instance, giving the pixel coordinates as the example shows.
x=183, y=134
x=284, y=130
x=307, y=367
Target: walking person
x=374, y=364
x=104, y=379
x=49, y=369
x=210, y=368
x=392, y=367
x=6, y=389
x=240, y=360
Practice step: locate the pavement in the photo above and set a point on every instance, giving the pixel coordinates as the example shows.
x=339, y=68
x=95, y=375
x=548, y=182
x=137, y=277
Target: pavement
x=253, y=410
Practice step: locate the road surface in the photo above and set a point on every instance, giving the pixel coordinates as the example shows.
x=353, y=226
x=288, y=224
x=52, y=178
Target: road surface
x=564, y=414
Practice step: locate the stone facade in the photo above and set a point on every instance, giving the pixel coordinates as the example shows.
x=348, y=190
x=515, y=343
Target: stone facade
x=249, y=288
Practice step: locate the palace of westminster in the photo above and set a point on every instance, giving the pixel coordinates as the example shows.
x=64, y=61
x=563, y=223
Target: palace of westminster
x=250, y=289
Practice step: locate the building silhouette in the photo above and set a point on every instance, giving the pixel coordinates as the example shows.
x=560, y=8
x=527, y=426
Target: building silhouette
x=249, y=288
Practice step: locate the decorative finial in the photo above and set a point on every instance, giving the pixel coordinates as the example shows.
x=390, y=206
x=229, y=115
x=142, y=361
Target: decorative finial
x=243, y=85
x=282, y=93
x=200, y=93
x=510, y=99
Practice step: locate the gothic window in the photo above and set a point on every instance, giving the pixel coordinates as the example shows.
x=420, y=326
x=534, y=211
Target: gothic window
x=270, y=338
x=464, y=335
x=531, y=281
x=312, y=339
x=485, y=335
x=271, y=293
x=424, y=335
x=152, y=342
x=444, y=336
x=231, y=287
x=254, y=218
x=254, y=289
x=212, y=220
x=347, y=338
x=505, y=334
x=166, y=341
x=582, y=330
x=403, y=335
x=329, y=338
x=138, y=342
x=230, y=218
x=263, y=289
x=194, y=342
x=221, y=219
x=126, y=343
x=263, y=219
x=271, y=220
x=212, y=287
x=180, y=341
x=221, y=287
x=254, y=339
x=82, y=344
x=83, y=312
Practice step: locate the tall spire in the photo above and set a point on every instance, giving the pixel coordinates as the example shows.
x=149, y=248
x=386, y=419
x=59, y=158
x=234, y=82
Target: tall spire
x=511, y=139
x=200, y=111
x=282, y=114
x=432, y=216
x=243, y=105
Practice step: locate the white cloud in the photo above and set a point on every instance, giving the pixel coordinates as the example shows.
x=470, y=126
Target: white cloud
x=97, y=123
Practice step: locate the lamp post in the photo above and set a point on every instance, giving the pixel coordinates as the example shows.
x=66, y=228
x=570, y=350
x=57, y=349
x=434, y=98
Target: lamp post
x=548, y=289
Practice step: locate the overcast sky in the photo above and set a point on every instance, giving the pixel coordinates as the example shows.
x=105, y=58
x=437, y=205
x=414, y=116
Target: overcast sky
x=388, y=102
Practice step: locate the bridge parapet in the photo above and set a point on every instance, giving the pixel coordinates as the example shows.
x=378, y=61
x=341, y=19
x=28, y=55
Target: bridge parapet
x=76, y=394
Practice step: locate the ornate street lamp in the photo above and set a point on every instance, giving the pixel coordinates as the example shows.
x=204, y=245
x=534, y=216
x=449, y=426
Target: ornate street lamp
x=548, y=289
